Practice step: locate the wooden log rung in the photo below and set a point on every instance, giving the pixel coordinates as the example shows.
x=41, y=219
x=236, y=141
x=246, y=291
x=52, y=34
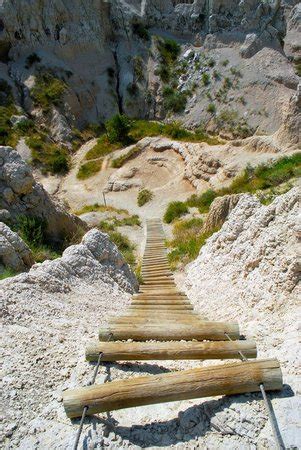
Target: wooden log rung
x=221, y=379
x=142, y=351
x=214, y=331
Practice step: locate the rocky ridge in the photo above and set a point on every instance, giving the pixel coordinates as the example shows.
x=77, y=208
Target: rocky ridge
x=66, y=38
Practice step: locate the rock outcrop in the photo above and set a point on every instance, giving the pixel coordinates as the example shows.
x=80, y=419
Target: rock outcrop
x=14, y=253
x=249, y=272
x=21, y=195
x=220, y=210
x=106, y=55
x=48, y=315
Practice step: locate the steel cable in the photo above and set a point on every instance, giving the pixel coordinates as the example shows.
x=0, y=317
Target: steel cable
x=268, y=405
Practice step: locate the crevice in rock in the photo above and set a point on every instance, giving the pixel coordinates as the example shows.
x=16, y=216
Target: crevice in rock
x=117, y=74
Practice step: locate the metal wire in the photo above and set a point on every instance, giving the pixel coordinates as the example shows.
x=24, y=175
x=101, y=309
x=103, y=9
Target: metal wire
x=85, y=410
x=269, y=407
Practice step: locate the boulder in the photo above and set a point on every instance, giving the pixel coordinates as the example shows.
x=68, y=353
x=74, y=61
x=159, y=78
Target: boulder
x=14, y=253
x=220, y=210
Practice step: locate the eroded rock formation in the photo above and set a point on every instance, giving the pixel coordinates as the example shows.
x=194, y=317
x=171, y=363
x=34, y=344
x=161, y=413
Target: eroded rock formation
x=20, y=194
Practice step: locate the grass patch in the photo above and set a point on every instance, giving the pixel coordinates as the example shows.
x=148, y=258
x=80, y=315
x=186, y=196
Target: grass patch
x=188, y=238
x=118, y=162
x=7, y=273
x=264, y=176
x=47, y=91
x=144, y=196
x=32, y=231
x=174, y=211
x=203, y=201
x=96, y=207
x=130, y=221
x=50, y=157
x=89, y=169
x=102, y=148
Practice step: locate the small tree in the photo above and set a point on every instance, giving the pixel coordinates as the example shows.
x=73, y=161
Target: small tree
x=118, y=128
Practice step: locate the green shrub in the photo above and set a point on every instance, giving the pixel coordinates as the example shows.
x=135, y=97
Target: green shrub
x=227, y=84
x=128, y=221
x=163, y=71
x=118, y=128
x=141, y=31
x=174, y=100
x=48, y=91
x=118, y=162
x=211, y=62
x=144, y=196
x=205, y=78
x=225, y=62
x=203, y=201
x=7, y=273
x=138, y=68
x=25, y=126
x=175, y=210
x=89, y=169
x=211, y=108
x=169, y=50
x=216, y=74
x=49, y=156
x=32, y=59
x=176, y=131
x=187, y=247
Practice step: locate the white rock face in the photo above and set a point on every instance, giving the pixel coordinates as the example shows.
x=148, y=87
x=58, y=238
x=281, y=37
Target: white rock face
x=20, y=194
x=249, y=272
x=14, y=253
x=48, y=315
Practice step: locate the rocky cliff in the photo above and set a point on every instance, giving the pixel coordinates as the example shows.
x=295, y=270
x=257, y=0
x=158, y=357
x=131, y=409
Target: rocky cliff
x=249, y=271
x=106, y=56
x=21, y=195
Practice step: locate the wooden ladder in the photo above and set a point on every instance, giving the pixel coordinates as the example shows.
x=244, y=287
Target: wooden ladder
x=161, y=324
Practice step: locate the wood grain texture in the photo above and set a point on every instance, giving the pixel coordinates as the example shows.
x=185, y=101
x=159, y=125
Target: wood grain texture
x=224, y=379
x=141, y=351
x=214, y=331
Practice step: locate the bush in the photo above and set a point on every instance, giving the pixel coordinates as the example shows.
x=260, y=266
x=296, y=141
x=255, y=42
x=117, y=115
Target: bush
x=50, y=157
x=175, y=210
x=32, y=59
x=175, y=131
x=89, y=169
x=144, y=196
x=31, y=230
x=225, y=62
x=118, y=128
x=48, y=91
x=205, y=78
x=169, y=50
x=163, y=72
x=211, y=108
x=187, y=247
x=202, y=201
x=174, y=100
x=141, y=31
